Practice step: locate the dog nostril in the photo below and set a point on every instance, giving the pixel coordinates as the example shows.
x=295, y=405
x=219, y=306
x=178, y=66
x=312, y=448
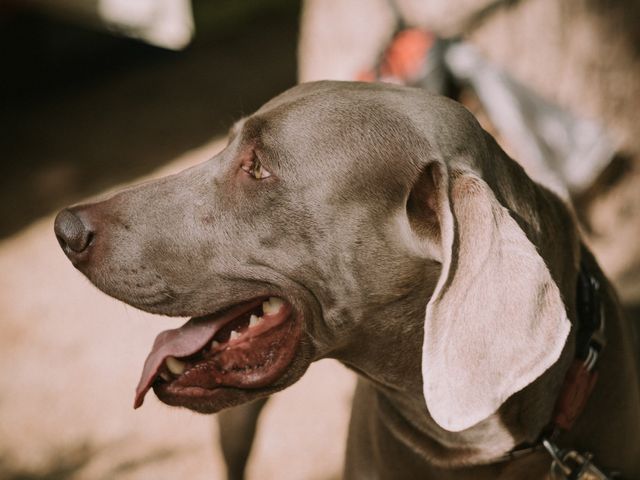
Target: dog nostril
x=72, y=234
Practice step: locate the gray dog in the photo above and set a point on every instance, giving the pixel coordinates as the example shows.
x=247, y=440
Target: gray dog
x=337, y=216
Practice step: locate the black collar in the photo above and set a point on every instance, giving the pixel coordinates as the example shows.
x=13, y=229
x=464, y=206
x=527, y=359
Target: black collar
x=590, y=338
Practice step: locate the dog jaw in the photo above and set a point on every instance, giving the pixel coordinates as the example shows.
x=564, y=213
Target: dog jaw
x=248, y=347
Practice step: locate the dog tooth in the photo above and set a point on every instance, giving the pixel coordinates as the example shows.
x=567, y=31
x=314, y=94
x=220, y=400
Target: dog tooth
x=174, y=365
x=254, y=320
x=165, y=376
x=272, y=306
x=215, y=344
x=234, y=335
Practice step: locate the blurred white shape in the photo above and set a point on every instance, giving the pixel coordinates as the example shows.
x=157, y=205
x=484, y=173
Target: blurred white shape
x=341, y=38
x=165, y=23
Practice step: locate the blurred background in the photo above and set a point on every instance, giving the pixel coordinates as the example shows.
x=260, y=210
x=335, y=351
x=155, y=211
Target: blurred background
x=84, y=109
x=95, y=94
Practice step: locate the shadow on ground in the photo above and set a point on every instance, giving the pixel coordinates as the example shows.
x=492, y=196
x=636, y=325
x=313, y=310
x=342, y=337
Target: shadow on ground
x=67, y=462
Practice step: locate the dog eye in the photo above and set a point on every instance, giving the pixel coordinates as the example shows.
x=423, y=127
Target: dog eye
x=254, y=168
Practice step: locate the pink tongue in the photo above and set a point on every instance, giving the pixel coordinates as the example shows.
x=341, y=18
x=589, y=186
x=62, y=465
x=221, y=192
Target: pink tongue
x=182, y=342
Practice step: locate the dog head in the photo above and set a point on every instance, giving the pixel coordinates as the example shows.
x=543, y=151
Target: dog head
x=331, y=203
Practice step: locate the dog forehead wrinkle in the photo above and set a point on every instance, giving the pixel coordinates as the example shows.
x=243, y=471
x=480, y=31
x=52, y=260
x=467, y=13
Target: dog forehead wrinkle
x=435, y=116
x=327, y=118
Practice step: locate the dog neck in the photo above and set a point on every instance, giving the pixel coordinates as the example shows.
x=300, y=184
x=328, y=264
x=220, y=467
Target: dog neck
x=396, y=381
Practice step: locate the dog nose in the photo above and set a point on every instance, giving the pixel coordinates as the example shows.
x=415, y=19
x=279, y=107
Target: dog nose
x=72, y=233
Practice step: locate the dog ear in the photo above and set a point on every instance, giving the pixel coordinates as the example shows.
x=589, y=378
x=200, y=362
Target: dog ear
x=496, y=320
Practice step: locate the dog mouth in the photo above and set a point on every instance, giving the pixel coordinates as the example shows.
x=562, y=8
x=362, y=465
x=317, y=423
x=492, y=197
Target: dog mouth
x=247, y=346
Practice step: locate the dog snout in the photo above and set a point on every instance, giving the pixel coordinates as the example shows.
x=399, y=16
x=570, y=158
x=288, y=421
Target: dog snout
x=74, y=233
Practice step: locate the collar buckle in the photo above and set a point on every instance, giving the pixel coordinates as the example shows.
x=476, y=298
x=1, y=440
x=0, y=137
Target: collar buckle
x=572, y=465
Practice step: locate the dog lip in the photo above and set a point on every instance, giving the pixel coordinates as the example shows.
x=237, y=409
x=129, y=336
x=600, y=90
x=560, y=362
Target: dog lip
x=207, y=392
x=185, y=341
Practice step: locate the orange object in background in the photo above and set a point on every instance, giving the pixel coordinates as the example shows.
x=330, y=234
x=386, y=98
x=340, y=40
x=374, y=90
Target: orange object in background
x=404, y=60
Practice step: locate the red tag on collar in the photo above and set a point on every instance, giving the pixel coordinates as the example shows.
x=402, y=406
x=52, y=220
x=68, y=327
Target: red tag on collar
x=577, y=387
